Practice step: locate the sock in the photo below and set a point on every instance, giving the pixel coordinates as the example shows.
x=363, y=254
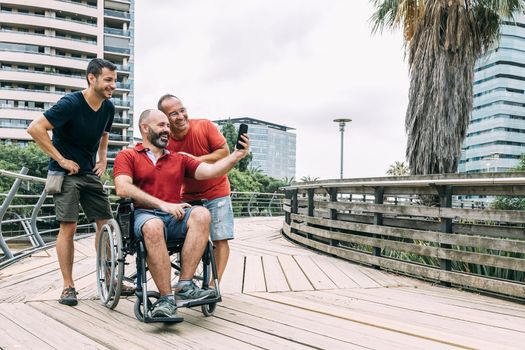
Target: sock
x=182, y=283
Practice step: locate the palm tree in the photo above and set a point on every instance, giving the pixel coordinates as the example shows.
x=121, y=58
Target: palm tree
x=398, y=169
x=443, y=39
x=309, y=178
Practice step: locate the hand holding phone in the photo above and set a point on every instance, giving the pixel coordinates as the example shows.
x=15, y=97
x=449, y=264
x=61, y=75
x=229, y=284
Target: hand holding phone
x=243, y=129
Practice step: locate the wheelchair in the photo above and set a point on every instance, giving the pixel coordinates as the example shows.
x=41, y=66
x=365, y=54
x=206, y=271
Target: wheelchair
x=116, y=241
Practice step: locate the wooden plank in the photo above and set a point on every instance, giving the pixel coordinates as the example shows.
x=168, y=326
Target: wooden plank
x=233, y=328
x=381, y=317
x=294, y=275
x=178, y=336
x=233, y=276
x=115, y=336
x=254, y=275
x=274, y=275
x=282, y=326
x=421, y=303
x=336, y=275
x=322, y=324
x=12, y=336
x=49, y=330
x=515, y=216
x=517, y=264
x=451, y=320
x=315, y=275
x=517, y=246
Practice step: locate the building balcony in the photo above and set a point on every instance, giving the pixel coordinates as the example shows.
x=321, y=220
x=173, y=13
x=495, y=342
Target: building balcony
x=123, y=86
x=117, y=50
x=119, y=32
x=44, y=78
x=8, y=17
x=59, y=5
x=10, y=93
x=117, y=14
x=121, y=103
x=8, y=36
x=17, y=53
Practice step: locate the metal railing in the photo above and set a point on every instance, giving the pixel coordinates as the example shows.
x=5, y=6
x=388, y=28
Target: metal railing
x=418, y=225
x=28, y=223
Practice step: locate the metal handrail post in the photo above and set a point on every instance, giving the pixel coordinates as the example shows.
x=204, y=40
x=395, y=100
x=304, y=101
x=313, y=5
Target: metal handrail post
x=250, y=205
x=3, y=209
x=36, y=209
x=270, y=204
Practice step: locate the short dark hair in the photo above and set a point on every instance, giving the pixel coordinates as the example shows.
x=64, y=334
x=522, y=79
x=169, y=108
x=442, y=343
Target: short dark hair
x=96, y=65
x=163, y=98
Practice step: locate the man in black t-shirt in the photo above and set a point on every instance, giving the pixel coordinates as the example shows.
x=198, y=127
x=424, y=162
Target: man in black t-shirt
x=80, y=122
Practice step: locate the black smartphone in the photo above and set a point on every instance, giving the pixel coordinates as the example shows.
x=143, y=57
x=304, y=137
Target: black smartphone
x=243, y=129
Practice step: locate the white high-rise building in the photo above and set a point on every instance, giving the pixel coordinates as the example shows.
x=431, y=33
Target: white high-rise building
x=496, y=134
x=45, y=46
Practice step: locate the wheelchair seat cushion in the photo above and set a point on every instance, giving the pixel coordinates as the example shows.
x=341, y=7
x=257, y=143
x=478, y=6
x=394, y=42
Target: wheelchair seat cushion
x=174, y=230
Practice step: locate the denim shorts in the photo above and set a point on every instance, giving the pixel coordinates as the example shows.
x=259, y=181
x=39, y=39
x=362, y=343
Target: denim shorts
x=174, y=230
x=221, y=217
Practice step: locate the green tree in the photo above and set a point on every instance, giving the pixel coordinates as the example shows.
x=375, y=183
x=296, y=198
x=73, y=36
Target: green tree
x=230, y=133
x=443, y=39
x=14, y=157
x=398, y=169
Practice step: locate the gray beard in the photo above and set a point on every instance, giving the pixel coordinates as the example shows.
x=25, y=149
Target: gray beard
x=156, y=141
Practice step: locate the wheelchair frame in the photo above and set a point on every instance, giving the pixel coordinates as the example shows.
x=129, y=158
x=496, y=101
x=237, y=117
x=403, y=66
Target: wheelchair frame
x=116, y=241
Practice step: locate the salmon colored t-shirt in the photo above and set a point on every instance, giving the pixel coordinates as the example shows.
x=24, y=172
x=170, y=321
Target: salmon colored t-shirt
x=202, y=138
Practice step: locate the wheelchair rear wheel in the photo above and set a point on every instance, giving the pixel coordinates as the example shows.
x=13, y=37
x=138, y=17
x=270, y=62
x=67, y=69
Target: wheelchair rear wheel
x=110, y=264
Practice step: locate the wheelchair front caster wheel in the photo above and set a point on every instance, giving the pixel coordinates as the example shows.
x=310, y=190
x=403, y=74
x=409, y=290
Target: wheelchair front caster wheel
x=208, y=309
x=140, y=309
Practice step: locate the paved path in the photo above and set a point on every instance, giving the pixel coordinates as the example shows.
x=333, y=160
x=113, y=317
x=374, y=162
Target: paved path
x=276, y=295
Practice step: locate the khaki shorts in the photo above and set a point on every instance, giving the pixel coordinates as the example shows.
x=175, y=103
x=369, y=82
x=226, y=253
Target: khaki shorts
x=85, y=190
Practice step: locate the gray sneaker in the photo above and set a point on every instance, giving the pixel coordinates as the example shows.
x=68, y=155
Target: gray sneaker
x=165, y=307
x=190, y=292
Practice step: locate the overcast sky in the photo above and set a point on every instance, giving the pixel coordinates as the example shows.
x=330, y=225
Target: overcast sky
x=299, y=63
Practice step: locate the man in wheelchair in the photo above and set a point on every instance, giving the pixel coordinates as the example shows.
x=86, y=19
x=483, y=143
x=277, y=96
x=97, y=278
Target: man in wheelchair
x=152, y=177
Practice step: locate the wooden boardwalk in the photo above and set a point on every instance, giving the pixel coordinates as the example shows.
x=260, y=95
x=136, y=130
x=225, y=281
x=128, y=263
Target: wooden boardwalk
x=276, y=295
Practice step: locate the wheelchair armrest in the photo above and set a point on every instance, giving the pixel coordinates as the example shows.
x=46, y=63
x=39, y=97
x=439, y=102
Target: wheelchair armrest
x=125, y=200
x=125, y=218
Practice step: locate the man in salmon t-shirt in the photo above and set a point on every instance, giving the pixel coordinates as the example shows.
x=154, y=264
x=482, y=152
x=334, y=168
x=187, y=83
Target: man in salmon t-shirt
x=200, y=139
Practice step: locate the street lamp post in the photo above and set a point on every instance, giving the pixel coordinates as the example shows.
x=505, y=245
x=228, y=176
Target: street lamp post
x=342, y=122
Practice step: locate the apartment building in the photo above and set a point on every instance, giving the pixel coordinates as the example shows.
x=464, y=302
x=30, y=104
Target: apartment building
x=45, y=46
x=273, y=146
x=496, y=134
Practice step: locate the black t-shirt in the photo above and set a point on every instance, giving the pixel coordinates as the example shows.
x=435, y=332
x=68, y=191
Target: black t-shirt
x=78, y=129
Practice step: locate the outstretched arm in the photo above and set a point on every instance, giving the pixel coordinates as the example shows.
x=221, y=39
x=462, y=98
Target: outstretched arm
x=207, y=171
x=38, y=130
x=211, y=157
x=125, y=188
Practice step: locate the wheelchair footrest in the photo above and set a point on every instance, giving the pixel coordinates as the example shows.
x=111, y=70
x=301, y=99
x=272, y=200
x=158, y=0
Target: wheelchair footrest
x=177, y=319
x=198, y=302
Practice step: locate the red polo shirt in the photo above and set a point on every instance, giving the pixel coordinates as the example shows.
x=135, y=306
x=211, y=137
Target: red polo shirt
x=163, y=179
x=202, y=138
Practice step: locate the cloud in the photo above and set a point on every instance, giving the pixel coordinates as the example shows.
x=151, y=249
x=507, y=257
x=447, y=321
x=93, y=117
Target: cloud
x=296, y=63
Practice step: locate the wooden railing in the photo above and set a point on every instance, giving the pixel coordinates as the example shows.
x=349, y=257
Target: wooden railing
x=423, y=226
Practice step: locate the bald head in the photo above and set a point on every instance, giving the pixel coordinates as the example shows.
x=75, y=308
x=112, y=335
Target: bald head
x=164, y=98
x=144, y=116
x=154, y=128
